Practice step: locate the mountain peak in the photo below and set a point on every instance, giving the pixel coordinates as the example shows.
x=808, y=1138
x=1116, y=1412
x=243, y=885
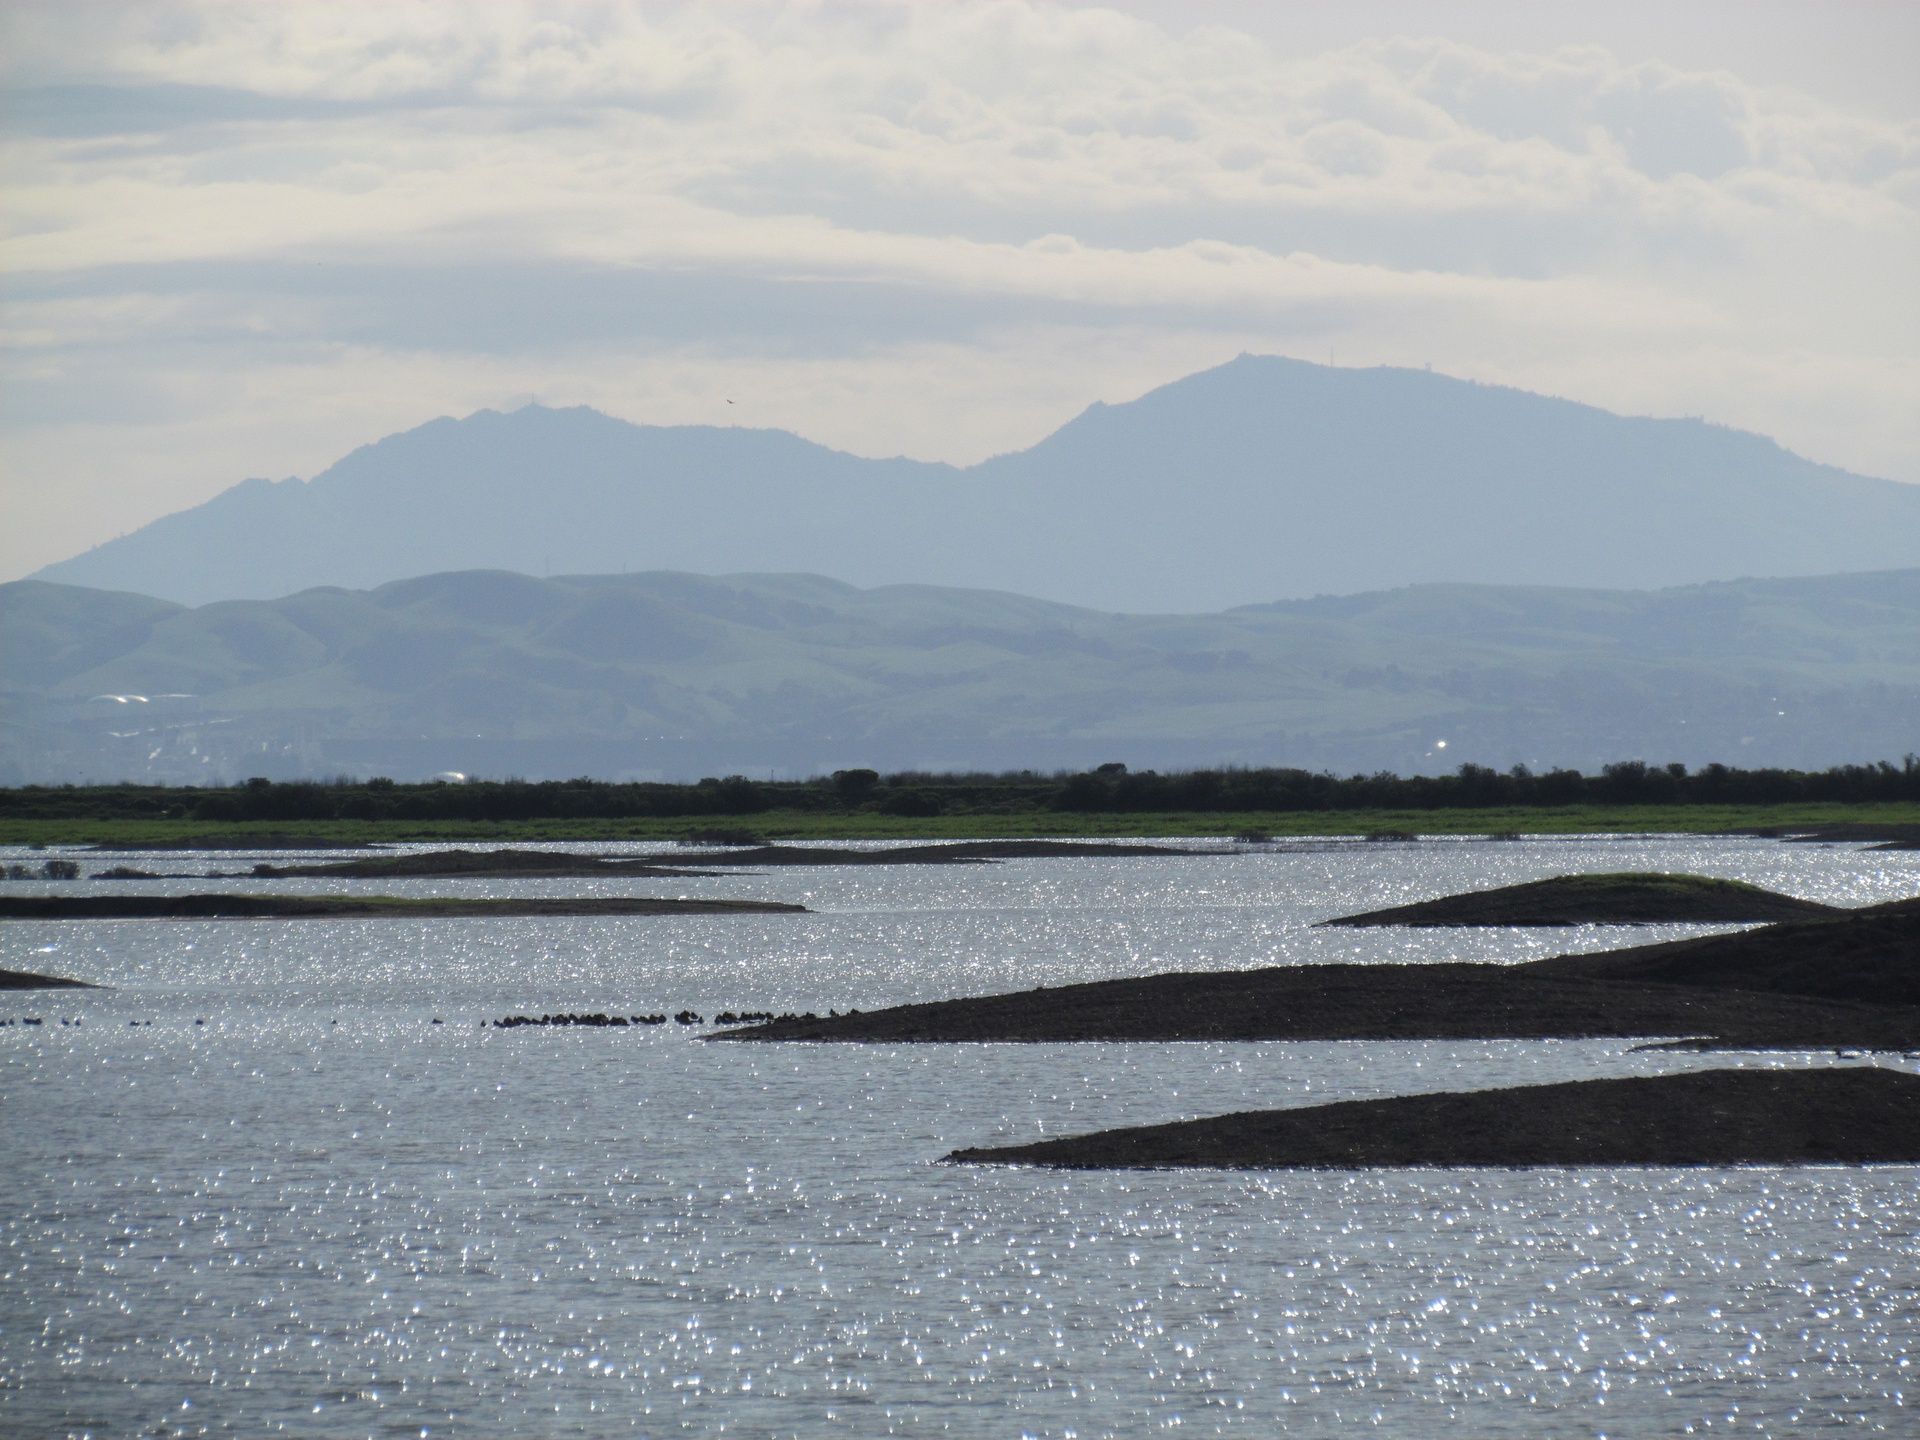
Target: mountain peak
x=1263, y=477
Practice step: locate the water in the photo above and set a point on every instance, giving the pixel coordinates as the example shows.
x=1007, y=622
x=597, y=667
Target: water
x=317, y=1213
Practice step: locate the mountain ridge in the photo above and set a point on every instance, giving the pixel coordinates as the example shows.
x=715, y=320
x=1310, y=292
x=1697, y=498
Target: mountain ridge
x=1263, y=477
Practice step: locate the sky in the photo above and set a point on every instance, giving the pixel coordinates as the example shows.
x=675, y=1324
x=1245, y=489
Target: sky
x=240, y=239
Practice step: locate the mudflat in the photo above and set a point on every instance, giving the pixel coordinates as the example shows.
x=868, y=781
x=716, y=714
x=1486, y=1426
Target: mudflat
x=954, y=852
x=236, y=840
x=509, y=863
x=305, y=907
x=1839, y=982
x=491, y=864
x=28, y=980
x=1855, y=1115
x=1870, y=956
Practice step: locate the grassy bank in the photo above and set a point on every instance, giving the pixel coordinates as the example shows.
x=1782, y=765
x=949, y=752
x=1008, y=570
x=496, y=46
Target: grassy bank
x=1002, y=824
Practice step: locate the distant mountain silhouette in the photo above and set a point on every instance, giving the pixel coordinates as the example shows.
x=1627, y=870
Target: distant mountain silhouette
x=677, y=676
x=1260, y=479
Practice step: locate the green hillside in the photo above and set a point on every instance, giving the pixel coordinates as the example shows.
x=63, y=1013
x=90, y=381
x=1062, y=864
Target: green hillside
x=671, y=675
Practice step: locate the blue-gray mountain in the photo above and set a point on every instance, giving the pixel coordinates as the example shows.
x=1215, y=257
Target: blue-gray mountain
x=1264, y=478
x=676, y=676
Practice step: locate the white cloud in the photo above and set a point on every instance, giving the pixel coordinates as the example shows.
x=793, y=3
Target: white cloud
x=228, y=188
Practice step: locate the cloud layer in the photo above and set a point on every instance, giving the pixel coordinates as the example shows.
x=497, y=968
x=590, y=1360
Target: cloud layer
x=241, y=238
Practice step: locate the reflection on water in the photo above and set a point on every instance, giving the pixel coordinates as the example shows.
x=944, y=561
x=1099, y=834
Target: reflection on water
x=319, y=1213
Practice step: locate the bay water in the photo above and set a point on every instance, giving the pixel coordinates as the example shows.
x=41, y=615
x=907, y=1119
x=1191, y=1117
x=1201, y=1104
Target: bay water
x=284, y=1178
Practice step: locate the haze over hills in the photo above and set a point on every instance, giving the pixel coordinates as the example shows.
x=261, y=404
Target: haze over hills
x=1263, y=478
x=676, y=676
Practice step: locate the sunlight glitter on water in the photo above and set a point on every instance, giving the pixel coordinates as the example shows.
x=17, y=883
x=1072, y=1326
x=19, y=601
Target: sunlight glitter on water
x=270, y=1223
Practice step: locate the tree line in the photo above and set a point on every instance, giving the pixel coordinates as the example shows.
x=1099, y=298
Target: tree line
x=1111, y=788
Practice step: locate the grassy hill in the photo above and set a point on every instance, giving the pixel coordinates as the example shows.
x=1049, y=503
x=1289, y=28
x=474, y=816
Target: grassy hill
x=676, y=675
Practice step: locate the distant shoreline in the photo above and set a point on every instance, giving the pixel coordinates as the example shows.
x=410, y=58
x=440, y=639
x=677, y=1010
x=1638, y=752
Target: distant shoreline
x=1892, y=822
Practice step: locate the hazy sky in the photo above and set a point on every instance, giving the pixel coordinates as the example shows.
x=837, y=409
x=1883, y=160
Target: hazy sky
x=240, y=239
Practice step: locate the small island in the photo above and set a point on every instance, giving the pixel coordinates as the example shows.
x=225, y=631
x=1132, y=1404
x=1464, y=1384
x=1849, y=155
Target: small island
x=333, y=907
x=1837, y=1116
x=1627, y=898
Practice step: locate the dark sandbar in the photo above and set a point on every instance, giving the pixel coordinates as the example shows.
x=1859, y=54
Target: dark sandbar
x=1619, y=899
x=1716, y=1117
x=27, y=980
x=674, y=864
x=493, y=864
x=956, y=852
x=1366, y=1002
x=236, y=840
x=1843, y=982
x=1870, y=956
x=1875, y=834
x=306, y=907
